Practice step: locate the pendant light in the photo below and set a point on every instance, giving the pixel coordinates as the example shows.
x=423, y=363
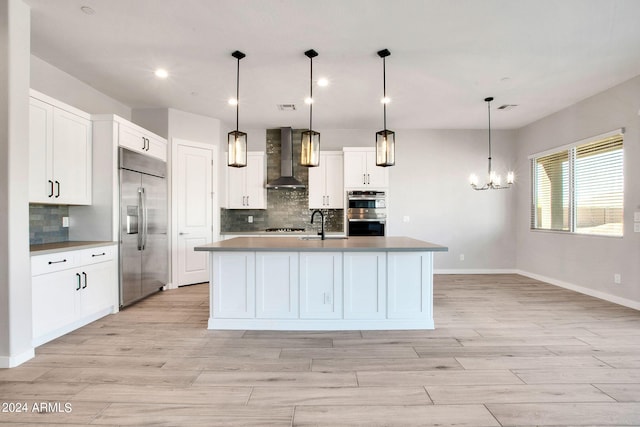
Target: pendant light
x=237, y=141
x=495, y=181
x=385, y=139
x=310, y=153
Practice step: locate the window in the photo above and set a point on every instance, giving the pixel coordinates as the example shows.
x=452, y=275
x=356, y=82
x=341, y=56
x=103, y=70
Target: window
x=580, y=188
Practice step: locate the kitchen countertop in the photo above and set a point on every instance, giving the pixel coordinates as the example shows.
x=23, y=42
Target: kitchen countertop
x=279, y=233
x=295, y=244
x=49, y=248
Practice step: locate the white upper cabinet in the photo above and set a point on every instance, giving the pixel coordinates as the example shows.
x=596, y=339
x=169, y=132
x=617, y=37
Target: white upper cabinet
x=360, y=170
x=137, y=139
x=60, y=144
x=326, y=182
x=246, y=186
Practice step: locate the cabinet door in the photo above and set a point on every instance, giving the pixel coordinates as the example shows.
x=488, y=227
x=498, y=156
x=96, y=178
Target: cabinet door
x=71, y=158
x=364, y=285
x=156, y=148
x=277, y=285
x=55, y=301
x=233, y=290
x=317, y=187
x=377, y=176
x=236, y=185
x=98, y=287
x=354, y=169
x=40, y=152
x=334, y=184
x=131, y=138
x=409, y=285
x=255, y=191
x=320, y=285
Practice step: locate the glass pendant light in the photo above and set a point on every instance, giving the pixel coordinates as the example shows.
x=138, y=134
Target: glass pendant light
x=237, y=141
x=494, y=180
x=385, y=139
x=310, y=153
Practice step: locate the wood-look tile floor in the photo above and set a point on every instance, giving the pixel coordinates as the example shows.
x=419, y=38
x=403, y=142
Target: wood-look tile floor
x=507, y=351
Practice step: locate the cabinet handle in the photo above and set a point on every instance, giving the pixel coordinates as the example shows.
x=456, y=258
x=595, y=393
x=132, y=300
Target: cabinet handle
x=364, y=178
x=327, y=200
x=79, y=281
x=144, y=144
x=85, y=280
x=247, y=200
x=51, y=188
x=57, y=189
x=95, y=255
x=57, y=262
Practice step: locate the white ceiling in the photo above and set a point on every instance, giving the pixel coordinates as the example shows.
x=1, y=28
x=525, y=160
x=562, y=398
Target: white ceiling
x=446, y=56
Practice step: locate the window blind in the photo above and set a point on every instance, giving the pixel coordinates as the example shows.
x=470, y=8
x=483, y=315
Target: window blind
x=580, y=188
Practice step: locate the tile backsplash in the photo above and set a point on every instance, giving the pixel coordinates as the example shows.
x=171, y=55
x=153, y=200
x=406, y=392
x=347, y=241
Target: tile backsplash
x=45, y=224
x=285, y=207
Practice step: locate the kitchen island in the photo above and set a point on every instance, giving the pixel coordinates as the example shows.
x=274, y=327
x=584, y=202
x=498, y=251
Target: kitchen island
x=304, y=283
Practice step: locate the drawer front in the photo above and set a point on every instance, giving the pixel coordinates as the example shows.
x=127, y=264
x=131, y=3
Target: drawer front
x=50, y=263
x=96, y=255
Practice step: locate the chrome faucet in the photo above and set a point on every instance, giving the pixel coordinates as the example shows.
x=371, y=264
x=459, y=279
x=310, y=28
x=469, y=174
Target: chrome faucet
x=322, y=219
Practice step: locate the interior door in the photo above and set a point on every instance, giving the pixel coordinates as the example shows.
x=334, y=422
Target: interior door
x=194, y=200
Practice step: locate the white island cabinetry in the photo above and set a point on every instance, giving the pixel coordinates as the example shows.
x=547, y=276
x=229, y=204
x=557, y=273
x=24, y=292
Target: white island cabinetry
x=336, y=284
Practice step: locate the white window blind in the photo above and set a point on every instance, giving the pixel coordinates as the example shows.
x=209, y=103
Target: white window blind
x=580, y=188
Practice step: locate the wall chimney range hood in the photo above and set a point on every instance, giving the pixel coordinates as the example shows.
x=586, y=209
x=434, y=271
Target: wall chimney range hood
x=286, y=179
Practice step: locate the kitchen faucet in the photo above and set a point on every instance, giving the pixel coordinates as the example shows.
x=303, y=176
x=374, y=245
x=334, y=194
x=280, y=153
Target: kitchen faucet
x=322, y=219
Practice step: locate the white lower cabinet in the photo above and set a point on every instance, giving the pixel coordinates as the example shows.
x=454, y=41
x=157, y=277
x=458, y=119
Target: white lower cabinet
x=365, y=285
x=320, y=285
x=276, y=285
x=71, y=289
x=233, y=285
x=409, y=285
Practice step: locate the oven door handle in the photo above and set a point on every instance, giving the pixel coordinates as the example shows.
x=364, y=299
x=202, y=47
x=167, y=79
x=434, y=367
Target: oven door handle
x=368, y=220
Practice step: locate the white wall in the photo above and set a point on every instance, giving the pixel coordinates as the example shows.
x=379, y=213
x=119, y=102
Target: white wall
x=15, y=264
x=587, y=263
x=56, y=83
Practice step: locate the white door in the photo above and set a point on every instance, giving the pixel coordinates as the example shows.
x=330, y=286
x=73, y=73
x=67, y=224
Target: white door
x=194, y=211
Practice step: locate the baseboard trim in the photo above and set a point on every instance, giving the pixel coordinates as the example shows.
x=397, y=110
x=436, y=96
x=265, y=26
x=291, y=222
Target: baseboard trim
x=581, y=289
x=477, y=271
x=13, y=361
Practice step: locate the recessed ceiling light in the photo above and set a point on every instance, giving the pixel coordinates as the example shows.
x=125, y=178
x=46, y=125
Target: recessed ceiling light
x=385, y=100
x=87, y=10
x=161, y=73
x=323, y=82
x=308, y=100
x=232, y=101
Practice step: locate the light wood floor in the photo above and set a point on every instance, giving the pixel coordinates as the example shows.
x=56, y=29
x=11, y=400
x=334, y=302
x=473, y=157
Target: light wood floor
x=506, y=351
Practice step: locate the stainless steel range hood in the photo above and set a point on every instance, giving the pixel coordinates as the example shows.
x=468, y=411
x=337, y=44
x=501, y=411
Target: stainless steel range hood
x=286, y=179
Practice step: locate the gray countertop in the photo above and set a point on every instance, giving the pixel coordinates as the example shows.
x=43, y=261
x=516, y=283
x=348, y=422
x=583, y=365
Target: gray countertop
x=49, y=248
x=296, y=244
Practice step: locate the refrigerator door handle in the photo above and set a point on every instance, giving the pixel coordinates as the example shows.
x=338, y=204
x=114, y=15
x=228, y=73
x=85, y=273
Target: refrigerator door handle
x=145, y=221
x=141, y=219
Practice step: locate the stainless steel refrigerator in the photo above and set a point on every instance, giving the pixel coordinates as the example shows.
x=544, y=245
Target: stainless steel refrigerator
x=144, y=250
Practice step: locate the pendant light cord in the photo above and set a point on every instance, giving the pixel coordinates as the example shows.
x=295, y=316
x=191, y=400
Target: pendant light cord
x=237, y=96
x=489, y=114
x=384, y=91
x=310, y=93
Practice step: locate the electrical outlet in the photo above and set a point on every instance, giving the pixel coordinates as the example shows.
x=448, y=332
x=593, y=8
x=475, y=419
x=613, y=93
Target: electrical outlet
x=406, y=218
x=636, y=216
x=461, y=257
x=617, y=279
x=250, y=219
x=327, y=298
x=65, y=222
x=636, y=227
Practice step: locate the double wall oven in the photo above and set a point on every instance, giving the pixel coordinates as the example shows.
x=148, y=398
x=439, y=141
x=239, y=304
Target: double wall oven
x=366, y=213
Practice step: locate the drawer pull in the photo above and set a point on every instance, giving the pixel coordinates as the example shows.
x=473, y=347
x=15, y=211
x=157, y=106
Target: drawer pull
x=57, y=262
x=95, y=255
x=85, y=280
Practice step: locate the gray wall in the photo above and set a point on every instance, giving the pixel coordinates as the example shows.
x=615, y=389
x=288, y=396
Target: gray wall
x=64, y=87
x=587, y=262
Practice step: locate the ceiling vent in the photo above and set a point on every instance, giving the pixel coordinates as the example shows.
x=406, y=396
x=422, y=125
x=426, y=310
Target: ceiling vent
x=287, y=107
x=507, y=107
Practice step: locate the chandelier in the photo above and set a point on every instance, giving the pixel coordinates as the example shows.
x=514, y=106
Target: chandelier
x=495, y=180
